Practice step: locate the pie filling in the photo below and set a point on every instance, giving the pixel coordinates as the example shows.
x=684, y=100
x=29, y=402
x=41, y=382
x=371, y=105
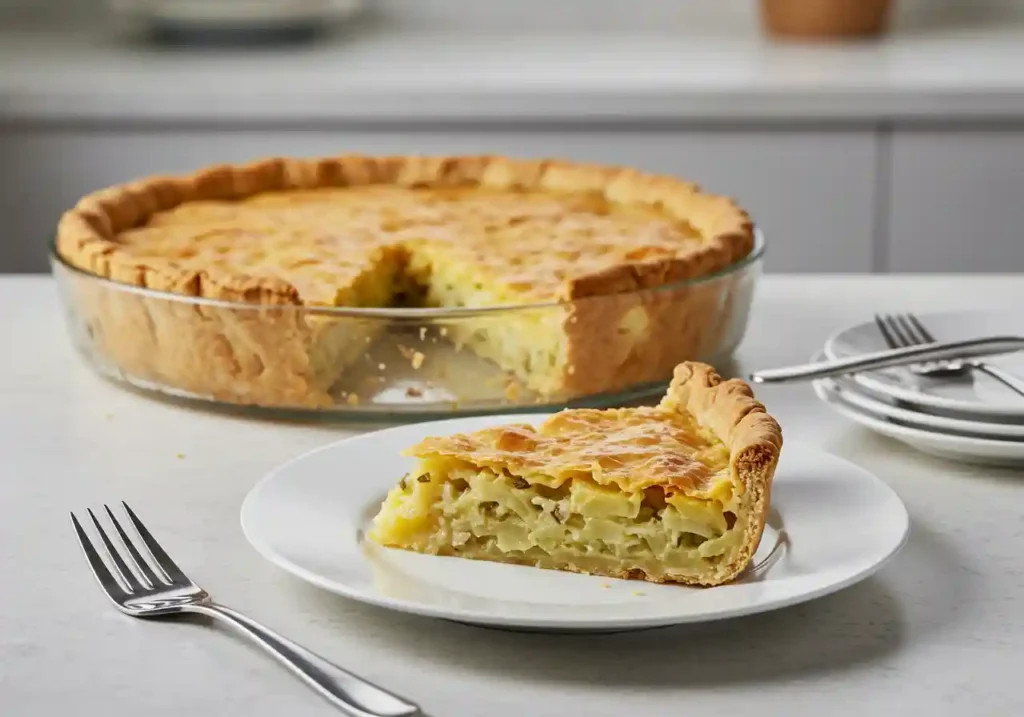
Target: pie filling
x=452, y=507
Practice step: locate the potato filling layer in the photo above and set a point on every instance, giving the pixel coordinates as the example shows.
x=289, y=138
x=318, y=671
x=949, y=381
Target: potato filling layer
x=578, y=525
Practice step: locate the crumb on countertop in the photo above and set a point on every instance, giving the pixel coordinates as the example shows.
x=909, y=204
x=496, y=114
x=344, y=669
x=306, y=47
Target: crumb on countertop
x=413, y=392
x=180, y=456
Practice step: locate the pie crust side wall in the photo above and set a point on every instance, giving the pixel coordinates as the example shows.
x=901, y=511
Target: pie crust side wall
x=250, y=357
x=754, y=438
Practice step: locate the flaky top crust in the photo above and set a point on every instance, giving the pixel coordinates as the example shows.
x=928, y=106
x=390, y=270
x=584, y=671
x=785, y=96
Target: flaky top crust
x=676, y=445
x=629, y=448
x=87, y=234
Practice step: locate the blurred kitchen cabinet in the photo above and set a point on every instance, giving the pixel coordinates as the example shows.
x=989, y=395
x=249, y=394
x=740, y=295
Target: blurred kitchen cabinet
x=812, y=192
x=957, y=201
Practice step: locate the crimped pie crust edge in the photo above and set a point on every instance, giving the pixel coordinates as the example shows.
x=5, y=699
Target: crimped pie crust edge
x=754, y=439
x=86, y=235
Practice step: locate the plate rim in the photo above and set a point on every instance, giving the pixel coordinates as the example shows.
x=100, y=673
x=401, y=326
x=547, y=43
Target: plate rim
x=559, y=623
x=870, y=421
x=871, y=405
x=919, y=398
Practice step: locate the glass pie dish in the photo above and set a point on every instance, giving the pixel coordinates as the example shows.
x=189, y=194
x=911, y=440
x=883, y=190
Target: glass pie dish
x=384, y=363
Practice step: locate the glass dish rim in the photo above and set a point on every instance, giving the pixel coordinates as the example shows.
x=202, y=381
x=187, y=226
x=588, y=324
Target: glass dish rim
x=398, y=314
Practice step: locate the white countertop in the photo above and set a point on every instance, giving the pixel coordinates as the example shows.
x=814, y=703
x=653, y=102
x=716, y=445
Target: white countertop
x=941, y=629
x=406, y=75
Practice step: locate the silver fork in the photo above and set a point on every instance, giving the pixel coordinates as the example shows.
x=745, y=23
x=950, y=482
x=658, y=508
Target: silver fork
x=156, y=587
x=901, y=330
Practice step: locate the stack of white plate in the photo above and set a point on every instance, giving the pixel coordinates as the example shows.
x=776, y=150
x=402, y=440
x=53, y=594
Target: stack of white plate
x=972, y=418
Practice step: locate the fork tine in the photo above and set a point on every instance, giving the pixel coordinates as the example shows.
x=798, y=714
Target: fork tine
x=882, y=323
x=106, y=579
x=908, y=330
x=924, y=333
x=899, y=331
x=170, y=569
x=127, y=576
x=140, y=562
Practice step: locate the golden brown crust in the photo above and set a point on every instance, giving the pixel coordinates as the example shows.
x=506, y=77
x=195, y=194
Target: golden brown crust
x=86, y=235
x=231, y=356
x=754, y=439
x=636, y=448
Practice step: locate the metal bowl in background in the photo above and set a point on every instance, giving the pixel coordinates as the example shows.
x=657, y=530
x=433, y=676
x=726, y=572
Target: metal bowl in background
x=231, y=22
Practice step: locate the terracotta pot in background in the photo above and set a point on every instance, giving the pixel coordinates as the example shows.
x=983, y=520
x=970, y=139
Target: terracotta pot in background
x=825, y=19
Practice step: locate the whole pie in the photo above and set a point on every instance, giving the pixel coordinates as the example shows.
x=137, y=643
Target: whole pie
x=600, y=253
x=675, y=493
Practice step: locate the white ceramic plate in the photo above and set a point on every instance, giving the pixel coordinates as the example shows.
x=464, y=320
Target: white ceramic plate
x=952, y=446
x=976, y=396
x=832, y=524
x=881, y=407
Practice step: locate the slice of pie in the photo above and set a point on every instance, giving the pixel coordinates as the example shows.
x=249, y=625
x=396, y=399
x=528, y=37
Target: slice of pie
x=674, y=493
x=601, y=253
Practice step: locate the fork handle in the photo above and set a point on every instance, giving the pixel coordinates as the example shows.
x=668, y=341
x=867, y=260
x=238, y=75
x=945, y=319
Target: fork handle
x=952, y=350
x=353, y=695
x=1004, y=377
